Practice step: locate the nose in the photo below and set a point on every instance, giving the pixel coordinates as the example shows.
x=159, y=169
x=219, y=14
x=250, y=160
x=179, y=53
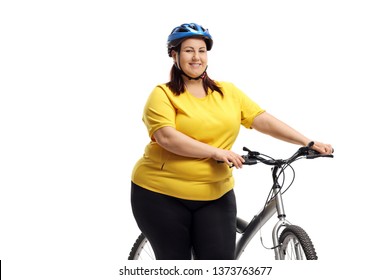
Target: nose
x=195, y=56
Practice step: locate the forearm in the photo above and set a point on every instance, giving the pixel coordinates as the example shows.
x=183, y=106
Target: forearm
x=272, y=126
x=179, y=143
x=183, y=145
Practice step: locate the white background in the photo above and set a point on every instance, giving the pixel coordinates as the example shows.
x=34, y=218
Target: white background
x=74, y=77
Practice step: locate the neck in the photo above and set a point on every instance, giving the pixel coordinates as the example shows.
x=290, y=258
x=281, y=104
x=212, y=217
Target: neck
x=195, y=88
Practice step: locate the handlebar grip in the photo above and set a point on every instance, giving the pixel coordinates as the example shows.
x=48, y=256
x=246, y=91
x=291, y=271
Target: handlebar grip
x=314, y=154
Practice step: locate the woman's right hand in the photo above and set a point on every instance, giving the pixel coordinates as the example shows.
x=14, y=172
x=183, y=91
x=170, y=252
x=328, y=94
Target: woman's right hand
x=228, y=157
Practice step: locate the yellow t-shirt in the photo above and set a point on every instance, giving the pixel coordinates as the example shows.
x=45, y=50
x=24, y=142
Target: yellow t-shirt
x=214, y=120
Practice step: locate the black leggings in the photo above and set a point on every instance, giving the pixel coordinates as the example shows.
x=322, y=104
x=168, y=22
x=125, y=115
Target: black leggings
x=176, y=226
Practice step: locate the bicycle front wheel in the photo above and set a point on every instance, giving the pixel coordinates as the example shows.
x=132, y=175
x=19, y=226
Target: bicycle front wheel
x=142, y=250
x=296, y=244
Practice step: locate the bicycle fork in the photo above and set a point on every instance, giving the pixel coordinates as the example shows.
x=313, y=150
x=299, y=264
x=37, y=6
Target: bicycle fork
x=280, y=211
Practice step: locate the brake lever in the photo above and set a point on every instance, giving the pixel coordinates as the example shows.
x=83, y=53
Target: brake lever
x=251, y=153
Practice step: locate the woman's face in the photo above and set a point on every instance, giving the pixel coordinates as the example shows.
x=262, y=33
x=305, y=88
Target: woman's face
x=193, y=57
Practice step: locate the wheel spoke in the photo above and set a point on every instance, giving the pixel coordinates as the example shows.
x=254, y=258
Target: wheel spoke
x=142, y=250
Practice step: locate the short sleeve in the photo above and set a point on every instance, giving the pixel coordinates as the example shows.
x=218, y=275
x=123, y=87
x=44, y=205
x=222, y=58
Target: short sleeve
x=249, y=108
x=158, y=111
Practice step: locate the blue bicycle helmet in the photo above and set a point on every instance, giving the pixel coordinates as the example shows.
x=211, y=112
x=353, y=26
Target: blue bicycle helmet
x=187, y=30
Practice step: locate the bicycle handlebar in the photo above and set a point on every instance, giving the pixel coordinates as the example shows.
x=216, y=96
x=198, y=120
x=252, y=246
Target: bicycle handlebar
x=253, y=157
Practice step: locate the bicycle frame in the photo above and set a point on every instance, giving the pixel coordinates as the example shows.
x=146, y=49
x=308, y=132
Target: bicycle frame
x=275, y=205
x=287, y=244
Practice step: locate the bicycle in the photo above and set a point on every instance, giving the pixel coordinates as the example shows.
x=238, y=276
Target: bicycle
x=293, y=243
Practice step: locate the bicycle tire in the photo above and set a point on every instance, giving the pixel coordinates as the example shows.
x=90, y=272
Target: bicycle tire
x=141, y=250
x=296, y=244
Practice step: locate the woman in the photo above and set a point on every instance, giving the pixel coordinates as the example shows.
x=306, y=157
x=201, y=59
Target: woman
x=182, y=198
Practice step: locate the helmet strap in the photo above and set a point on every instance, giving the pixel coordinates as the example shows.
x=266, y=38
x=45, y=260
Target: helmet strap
x=202, y=76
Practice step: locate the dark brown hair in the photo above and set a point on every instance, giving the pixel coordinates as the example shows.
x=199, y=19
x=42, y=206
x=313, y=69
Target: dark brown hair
x=176, y=84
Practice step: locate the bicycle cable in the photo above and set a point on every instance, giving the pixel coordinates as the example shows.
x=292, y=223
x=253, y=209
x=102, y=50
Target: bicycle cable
x=270, y=196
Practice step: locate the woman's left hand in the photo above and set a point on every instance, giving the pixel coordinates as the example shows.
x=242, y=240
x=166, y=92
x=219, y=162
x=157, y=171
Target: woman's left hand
x=322, y=148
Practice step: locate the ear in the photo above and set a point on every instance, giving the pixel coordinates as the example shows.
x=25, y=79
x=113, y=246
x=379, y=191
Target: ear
x=174, y=56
